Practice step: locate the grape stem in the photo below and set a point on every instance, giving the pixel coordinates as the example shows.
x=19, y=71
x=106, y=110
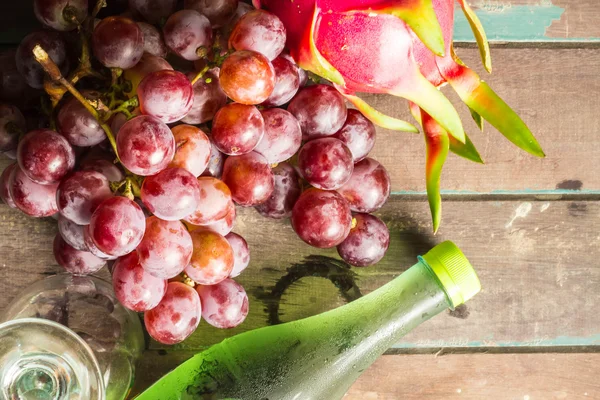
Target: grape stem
x=54, y=72
x=199, y=75
x=99, y=5
x=123, y=108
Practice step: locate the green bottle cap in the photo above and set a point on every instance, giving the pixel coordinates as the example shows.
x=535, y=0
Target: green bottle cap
x=454, y=271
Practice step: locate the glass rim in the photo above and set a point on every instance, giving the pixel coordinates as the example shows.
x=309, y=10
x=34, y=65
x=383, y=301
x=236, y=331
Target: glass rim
x=89, y=352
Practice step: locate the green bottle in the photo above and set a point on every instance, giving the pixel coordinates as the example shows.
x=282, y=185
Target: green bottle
x=318, y=358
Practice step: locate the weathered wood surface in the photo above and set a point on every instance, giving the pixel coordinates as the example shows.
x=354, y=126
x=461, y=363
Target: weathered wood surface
x=541, y=376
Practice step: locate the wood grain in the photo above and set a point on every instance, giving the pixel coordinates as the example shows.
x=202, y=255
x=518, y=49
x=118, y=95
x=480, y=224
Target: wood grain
x=540, y=376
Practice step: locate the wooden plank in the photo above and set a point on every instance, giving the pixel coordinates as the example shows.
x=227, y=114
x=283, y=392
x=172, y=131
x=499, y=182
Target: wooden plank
x=541, y=376
x=559, y=106
x=537, y=262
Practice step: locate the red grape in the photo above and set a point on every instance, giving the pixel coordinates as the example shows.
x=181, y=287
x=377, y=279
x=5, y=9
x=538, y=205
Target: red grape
x=219, y=12
x=224, y=305
x=28, y=67
x=5, y=185
x=222, y=226
x=368, y=188
x=12, y=84
x=105, y=167
x=72, y=233
x=12, y=123
x=241, y=253
x=146, y=145
x=177, y=315
x=242, y=8
x=320, y=109
x=358, y=133
x=45, y=156
x=302, y=74
x=247, y=77
x=77, y=124
x=260, y=31
x=80, y=193
x=75, y=261
x=212, y=259
x=249, y=178
x=366, y=243
x=215, y=200
x=287, y=82
x=282, y=137
x=91, y=246
x=118, y=42
x=208, y=98
x=153, y=11
x=326, y=163
x=237, y=128
x=186, y=32
x=117, y=226
x=215, y=162
x=172, y=194
x=321, y=218
x=193, y=149
x=166, y=248
x=167, y=95
x=32, y=198
x=286, y=191
x=153, y=41
x=134, y=287
x=148, y=63
x=62, y=15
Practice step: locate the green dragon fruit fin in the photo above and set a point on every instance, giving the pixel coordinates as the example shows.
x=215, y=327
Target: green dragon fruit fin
x=480, y=36
x=466, y=150
x=477, y=118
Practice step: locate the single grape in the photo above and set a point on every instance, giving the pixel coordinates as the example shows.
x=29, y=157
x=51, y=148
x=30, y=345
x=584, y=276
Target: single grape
x=12, y=83
x=249, y=178
x=282, y=137
x=166, y=248
x=321, y=218
x=75, y=261
x=247, y=77
x=320, y=109
x=237, y=128
x=28, y=67
x=208, y=98
x=91, y=246
x=215, y=200
x=45, y=156
x=326, y=163
x=80, y=193
x=167, y=95
x=222, y=226
x=241, y=253
x=368, y=188
x=260, y=31
x=193, y=149
x=358, y=133
x=153, y=11
x=5, y=185
x=77, y=125
x=172, y=194
x=215, y=162
x=286, y=191
x=212, y=259
x=118, y=42
x=367, y=241
x=12, y=124
x=117, y=226
x=146, y=145
x=153, y=41
x=62, y=15
x=224, y=305
x=242, y=8
x=186, y=32
x=136, y=288
x=72, y=233
x=105, y=167
x=148, y=63
x=32, y=198
x=177, y=315
x=219, y=12
x=287, y=82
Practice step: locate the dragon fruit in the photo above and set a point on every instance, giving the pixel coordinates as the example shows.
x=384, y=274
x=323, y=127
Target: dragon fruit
x=403, y=48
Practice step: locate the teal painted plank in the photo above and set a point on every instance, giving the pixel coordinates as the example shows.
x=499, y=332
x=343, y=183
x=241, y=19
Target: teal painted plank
x=521, y=192
x=559, y=341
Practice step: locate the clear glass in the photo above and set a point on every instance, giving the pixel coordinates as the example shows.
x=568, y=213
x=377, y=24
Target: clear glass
x=314, y=358
x=92, y=319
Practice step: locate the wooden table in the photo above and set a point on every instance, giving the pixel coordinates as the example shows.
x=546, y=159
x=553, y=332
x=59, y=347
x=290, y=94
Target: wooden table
x=529, y=226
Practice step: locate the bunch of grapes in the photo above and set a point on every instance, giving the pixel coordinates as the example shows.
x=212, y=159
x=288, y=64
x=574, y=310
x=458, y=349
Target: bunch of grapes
x=158, y=122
